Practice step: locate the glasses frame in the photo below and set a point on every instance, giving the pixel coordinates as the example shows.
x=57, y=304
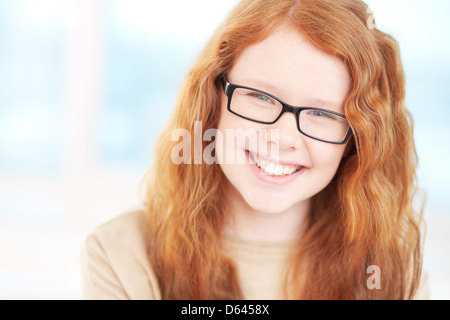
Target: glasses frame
x=229, y=89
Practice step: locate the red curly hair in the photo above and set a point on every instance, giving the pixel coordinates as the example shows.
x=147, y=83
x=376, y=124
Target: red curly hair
x=365, y=216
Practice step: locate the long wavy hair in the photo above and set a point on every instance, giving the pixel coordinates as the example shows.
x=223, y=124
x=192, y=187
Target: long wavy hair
x=364, y=217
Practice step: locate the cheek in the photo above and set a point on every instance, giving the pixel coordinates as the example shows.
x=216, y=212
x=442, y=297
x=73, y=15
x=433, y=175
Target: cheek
x=326, y=157
x=237, y=133
x=231, y=121
x=226, y=146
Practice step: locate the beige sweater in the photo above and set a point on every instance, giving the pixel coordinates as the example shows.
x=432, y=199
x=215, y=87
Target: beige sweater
x=114, y=264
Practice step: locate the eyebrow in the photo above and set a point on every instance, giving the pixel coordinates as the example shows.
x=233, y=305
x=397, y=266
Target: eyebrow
x=327, y=103
x=270, y=88
x=261, y=84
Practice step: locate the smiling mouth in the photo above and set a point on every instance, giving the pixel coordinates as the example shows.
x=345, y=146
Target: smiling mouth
x=272, y=168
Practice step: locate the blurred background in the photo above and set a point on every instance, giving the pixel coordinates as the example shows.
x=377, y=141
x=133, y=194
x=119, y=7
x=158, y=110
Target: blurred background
x=87, y=85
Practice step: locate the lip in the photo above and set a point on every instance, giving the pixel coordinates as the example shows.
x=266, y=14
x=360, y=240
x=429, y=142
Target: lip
x=286, y=163
x=271, y=179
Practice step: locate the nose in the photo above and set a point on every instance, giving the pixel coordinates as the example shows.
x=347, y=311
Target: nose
x=289, y=138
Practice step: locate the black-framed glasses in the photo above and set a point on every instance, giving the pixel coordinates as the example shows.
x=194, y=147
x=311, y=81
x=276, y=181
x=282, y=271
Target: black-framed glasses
x=261, y=107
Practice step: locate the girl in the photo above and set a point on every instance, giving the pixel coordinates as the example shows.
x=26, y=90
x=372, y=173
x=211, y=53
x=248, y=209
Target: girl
x=321, y=206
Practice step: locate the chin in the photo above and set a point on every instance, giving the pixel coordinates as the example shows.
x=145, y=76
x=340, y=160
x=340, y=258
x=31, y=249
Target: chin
x=268, y=206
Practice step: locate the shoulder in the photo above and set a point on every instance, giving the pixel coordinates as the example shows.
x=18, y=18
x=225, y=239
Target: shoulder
x=423, y=290
x=130, y=227
x=114, y=260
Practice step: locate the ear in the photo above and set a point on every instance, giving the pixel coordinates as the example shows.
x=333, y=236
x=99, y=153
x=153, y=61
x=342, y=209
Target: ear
x=350, y=148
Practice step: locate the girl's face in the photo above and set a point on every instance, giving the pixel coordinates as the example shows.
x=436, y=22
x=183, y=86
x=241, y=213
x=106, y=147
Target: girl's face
x=289, y=67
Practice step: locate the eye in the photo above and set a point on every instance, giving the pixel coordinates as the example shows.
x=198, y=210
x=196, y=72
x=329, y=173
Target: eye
x=261, y=97
x=318, y=113
x=322, y=114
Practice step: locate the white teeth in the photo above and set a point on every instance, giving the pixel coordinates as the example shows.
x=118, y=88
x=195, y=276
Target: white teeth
x=278, y=170
x=286, y=171
x=273, y=168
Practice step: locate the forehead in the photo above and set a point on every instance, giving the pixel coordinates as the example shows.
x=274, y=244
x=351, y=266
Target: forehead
x=287, y=64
